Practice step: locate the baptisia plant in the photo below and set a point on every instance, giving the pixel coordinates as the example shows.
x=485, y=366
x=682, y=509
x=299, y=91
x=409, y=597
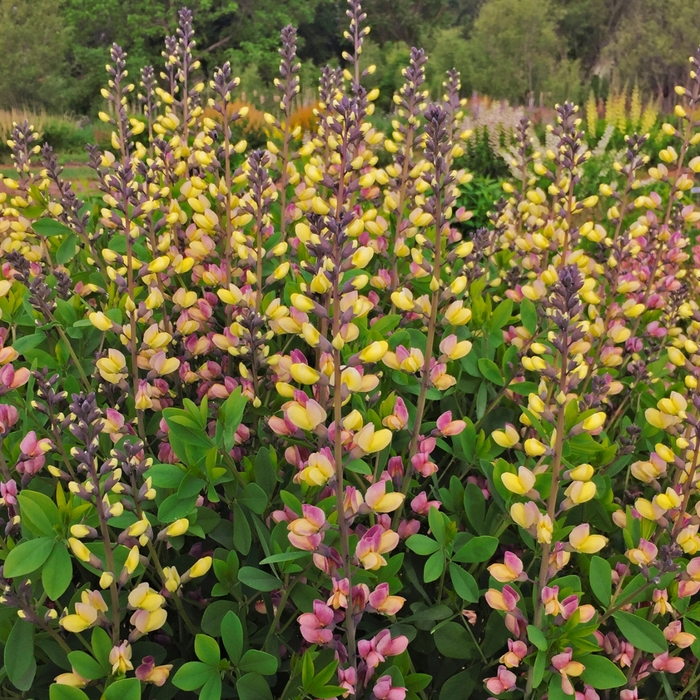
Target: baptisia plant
x=293, y=423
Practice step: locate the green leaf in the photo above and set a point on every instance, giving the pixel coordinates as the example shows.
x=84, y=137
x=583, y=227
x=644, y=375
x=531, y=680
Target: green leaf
x=28, y=557
x=490, y=370
x=475, y=505
x=602, y=673
x=173, y=508
x=601, y=579
x=39, y=513
x=207, y=649
x=641, y=633
x=57, y=572
x=232, y=636
x=20, y=663
x=539, y=669
x=453, y=641
x=437, y=525
x=29, y=342
x=259, y=661
x=555, y=691
x=253, y=686
x=125, y=689
x=66, y=692
x=211, y=689
x=264, y=470
x=421, y=544
x=258, y=580
x=86, y=666
x=67, y=250
x=528, y=315
x=501, y=315
x=242, y=537
x=464, y=584
x=166, y=476
x=230, y=416
x=434, y=567
x=359, y=466
x=101, y=646
x=284, y=556
x=693, y=629
x=536, y=636
x=50, y=227
x=254, y=497
x=478, y=549
x=193, y=675
x=307, y=671
x=459, y=687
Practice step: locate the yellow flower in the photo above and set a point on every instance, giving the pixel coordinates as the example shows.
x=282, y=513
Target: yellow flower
x=370, y=441
x=100, y=321
x=120, y=658
x=595, y=421
x=112, y=367
x=581, y=491
x=318, y=471
x=582, y=541
x=200, y=567
x=520, y=483
x=144, y=597
x=179, y=527
x=374, y=352
x=584, y=472
x=534, y=448
x=508, y=437
x=304, y=374
x=305, y=417
x=79, y=549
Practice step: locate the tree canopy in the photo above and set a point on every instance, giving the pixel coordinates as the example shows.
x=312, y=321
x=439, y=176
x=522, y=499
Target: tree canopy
x=54, y=51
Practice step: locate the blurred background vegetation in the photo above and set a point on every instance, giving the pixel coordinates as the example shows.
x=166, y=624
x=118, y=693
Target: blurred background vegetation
x=532, y=52
x=618, y=59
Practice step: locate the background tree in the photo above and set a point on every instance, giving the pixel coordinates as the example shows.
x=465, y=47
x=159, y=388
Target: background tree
x=32, y=44
x=653, y=42
x=515, y=51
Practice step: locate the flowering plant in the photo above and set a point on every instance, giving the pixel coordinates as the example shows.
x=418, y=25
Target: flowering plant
x=274, y=426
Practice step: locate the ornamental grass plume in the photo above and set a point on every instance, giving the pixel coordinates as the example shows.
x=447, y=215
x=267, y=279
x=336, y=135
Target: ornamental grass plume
x=284, y=423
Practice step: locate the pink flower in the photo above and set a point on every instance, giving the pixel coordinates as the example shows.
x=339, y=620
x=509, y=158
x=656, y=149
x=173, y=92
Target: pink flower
x=347, y=679
x=382, y=602
x=505, y=600
x=316, y=627
x=398, y=418
x=32, y=457
x=675, y=635
x=511, y=570
x=306, y=533
x=448, y=427
x=588, y=694
x=669, y=664
x=421, y=505
x=373, y=544
x=502, y=682
x=8, y=417
x=517, y=651
x=375, y=651
x=383, y=690
x=550, y=598
x=340, y=593
x=8, y=492
x=408, y=528
x=11, y=379
x=629, y=694
x=567, y=667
